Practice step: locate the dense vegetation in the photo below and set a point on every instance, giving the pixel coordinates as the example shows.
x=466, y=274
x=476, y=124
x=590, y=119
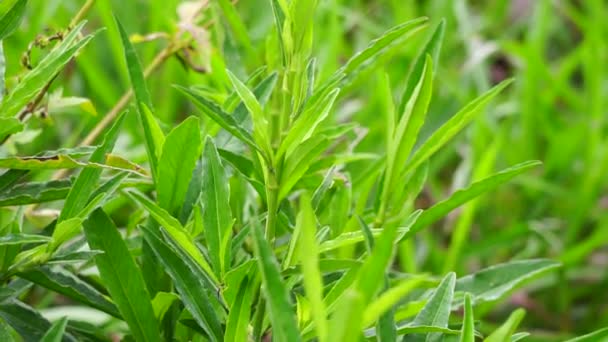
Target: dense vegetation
x=289, y=170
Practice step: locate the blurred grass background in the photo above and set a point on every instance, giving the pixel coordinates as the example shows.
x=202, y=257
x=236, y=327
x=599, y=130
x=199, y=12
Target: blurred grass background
x=556, y=112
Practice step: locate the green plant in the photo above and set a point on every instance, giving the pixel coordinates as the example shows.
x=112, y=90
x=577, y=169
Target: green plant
x=263, y=215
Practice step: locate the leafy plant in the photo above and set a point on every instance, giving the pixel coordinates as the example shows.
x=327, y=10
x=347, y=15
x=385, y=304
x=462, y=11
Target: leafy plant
x=266, y=213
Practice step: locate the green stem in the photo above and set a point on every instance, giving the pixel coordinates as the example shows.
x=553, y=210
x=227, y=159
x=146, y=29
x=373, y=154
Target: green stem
x=272, y=196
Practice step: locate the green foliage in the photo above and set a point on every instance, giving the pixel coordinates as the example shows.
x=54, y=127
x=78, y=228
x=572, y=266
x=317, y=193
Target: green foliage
x=296, y=170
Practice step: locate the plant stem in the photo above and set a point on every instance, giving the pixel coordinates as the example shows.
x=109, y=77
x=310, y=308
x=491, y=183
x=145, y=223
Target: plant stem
x=272, y=196
x=82, y=12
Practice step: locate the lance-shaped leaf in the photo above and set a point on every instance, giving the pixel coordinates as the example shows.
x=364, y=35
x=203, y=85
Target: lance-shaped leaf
x=467, y=333
x=181, y=150
x=87, y=180
x=506, y=331
x=282, y=315
x=11, y=13
x=376, y=49
x=122, y=277
x=26, y=321
x=240, y=312
x=190, y=283
x=309, y=257
x=369, y=280
x=258, y=116
x=306, y=124
x=225, y=120
x=9, y=126
x=152, y=132
x=460, y=197
x=36, y=79
x=436, y=311
x=176, y=231
x=62, y=281
x=433, y=49
x=36, y=192
x=217, y=218
x=56, y=331
x=493, y=283
x=22, y=239
x=454, y=125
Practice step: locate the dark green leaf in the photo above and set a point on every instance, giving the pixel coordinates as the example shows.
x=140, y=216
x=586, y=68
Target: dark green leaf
x=122, y=277
x=190, y=283
x=62, y=281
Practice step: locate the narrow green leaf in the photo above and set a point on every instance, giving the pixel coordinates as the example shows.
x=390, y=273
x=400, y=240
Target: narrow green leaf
x=260, y=124
x=237, y=25
x=87, y=180
x=493, y=283
x=176, y=231
x=153, y=134
x=12, y=12
x=36, y=79
x=350, y=238
x=281, y=310
x=55, y=333
x=505, y=331
x=60, y=280
x=122, y=277
x=460, y=197
x=309, y=257
x=9, y=126
x=240, y=312
x=188, y=282
x=467, y=334
x=300, y=161
x=598, y=335
x=217, y=218
x=306, y=124
x=454, y=125
x=389, y=298
x=436, y=312
x=22, y=239
x=5, y=332
x=378, y=46
x=180, y=152
x=433, y=49
x=162, y=302
x=35, y=192
x=225, y=120
x=369, y=280
x=26, y=321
